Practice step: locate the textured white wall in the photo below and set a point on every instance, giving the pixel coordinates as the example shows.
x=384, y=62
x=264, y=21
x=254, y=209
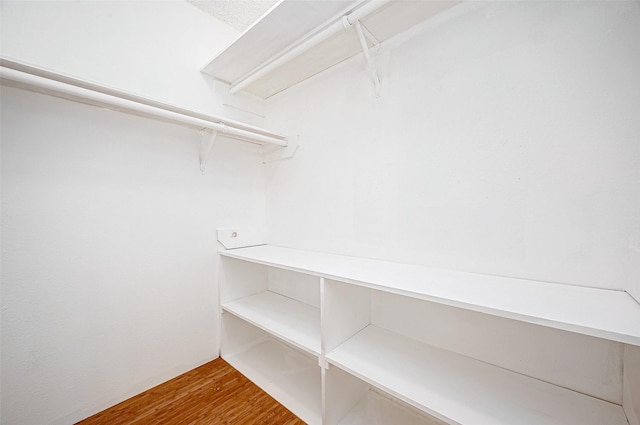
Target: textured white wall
x=505, y=142
x=108, y=253
x=108, y=227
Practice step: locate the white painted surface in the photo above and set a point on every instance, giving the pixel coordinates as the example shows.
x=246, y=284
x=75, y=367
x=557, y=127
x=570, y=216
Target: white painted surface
x=284, y=26
x=297, y=40
x=460, y=390
x=287, y=375
x=351, y=401
x=237, y=279
x=346, y=311
x=238, y=14
x=292, y=321
x=505, y=142
x=281, y=302
x=152, y=50
x=374, y=409
x=335, y=44
x=37, y=79
x=633, y=279
x=602, y=313
x=298, y=286
x=108, y=252
x=234, y=237
x=588, y=365
x=395, y=343
x=342, y=392
x=631, y=389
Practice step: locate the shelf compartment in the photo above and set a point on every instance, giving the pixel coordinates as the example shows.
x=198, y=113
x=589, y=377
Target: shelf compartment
x=290, y=320
x=603, y=313
x=461, y=390
x=288, y=375
x=351, y=401
x=374, y=409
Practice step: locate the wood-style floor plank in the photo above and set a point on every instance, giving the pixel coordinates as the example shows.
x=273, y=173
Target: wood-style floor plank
x=212, y=394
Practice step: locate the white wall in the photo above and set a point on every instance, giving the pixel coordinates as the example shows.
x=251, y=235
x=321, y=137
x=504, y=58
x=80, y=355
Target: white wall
x=505, y=142
x=108, y=253
x=150, y=48
x=108, y=227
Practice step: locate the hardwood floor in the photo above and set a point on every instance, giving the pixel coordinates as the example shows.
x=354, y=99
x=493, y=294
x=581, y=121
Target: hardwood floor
x=214, y=393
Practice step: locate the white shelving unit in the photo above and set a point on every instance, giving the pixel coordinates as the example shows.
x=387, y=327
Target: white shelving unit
x=271, y=332
x=332, y=313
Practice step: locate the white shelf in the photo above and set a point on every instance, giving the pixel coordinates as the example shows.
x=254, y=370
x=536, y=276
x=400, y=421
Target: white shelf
x=293, y=321
x=460, y=390
x=374, y=409
x=287, y=375
x=609, y=314
x=298, y=39
x=274, y=32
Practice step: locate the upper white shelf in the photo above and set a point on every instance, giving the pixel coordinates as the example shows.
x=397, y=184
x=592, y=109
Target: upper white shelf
x=298, y=39
x=602, y=313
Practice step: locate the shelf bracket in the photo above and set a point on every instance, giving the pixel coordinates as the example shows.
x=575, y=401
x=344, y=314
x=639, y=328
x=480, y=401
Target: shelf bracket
x=206, y=142
x=363, y=35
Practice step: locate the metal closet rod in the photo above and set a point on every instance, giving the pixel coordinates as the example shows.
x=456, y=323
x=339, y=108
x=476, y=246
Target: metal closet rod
x=58, y=84
x=345, y=22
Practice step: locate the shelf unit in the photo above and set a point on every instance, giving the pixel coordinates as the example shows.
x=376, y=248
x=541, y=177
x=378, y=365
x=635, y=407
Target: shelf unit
x=271, y=332
x=299, y=39
x=332, y=313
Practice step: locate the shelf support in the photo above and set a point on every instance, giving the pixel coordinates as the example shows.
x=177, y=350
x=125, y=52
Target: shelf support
x=323, y=363
x=363, y=36
x=206, y=142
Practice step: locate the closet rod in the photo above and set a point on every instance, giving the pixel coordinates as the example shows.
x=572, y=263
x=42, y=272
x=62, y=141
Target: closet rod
x=75, y=92
x=344, y=23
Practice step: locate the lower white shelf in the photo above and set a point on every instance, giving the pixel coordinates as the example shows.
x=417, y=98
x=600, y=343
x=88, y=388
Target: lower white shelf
x=291, y=320
x=289, y=376
x=461, y=390
x=374, y=409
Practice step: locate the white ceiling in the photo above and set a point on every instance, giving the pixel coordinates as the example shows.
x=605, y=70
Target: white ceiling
x=240, y=14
